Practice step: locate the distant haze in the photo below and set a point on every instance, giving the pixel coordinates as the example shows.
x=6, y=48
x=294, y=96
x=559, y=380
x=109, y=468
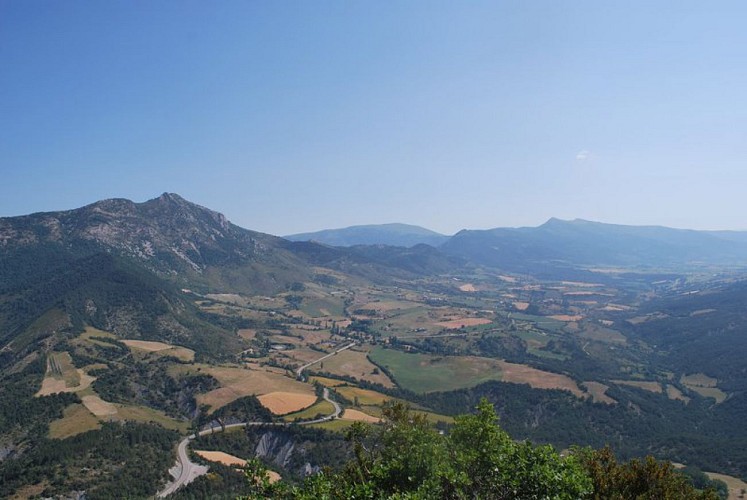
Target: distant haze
x=295, y=117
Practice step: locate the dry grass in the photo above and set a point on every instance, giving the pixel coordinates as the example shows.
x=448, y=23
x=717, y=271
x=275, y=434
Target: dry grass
x=356, y=364
x=598, y=391
x=148, y=415
x=98, y=406
x=221, y=458
x=90, y=332
x=521, y=306
x=538, y=379
x=237, y=382
x=468, y=287
x=327, y=382
x=282, y=403
x=323, y=408
x=336, y=425
x=161, y=348
x=76, y=419
x=30, y=491
x=642, y=384
x=674, y=393
x=704, y=385
x=359, y=416
x=464, y=322
x=735, y=485
x=62, y=376
x=365, y=396
x=699, y=380
x=247, y=333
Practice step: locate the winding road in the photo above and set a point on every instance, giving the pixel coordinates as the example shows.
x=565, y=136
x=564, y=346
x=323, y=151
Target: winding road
x=189, y=471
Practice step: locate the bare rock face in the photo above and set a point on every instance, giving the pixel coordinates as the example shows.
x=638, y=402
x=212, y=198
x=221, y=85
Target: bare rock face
x=168, y=233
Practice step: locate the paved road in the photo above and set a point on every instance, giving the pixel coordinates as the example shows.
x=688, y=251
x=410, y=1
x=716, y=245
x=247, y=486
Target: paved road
x=301, y=369
x=189, y=471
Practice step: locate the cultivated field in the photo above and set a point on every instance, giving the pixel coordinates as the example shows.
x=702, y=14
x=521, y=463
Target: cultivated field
x=642, y=384
x=322, y=408
x=426, y=373
x=353, y=363
x=359, y=416
x=98, y=406
x=221, y=457
x=364, y=396
x=76, y=419
x=237, y=382
x=704, y=385
x=281, y=403
x=538, y=379
x=145, y=414
x=62, y=376
x=327, y=382
x=598, y=391
x=674, y=393
x=161, y=348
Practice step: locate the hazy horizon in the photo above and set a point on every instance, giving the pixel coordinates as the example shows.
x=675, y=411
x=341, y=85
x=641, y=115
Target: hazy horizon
x=296, y=117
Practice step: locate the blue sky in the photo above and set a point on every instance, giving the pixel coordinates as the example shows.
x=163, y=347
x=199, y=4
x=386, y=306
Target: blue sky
x=295, y=116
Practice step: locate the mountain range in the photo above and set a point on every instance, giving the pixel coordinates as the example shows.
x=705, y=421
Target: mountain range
x=175, y=315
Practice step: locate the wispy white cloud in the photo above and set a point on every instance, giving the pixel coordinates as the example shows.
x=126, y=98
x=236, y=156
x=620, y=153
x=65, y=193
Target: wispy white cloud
x=583, y=155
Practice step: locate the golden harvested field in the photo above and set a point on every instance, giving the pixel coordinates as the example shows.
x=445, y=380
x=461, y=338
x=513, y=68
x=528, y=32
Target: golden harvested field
x=704, y=385
x=247, y=333
x=642, y=384
x=468, y=287
x=237, y=382
x=460, y=322
x=710, y=392
x=327, y=382
x=355, y=364
x=98, y=406
x=62, y=376
x=359, y=416
x=521, y=306
x=699, y=380
x=76, y=419
x=161, y=348
x=674, y=393
x=227, y=459
x=221, y=457
x=365, y=396
x=281, y=403
x=538, y=379
x=597, y=390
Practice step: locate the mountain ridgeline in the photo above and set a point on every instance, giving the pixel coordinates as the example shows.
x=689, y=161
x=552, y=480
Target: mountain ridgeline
x=398, y=235
x=558, y=244
x=163, y=317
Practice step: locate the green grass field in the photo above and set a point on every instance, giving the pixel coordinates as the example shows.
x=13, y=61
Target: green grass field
x=426, y=373
x=321, y=408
